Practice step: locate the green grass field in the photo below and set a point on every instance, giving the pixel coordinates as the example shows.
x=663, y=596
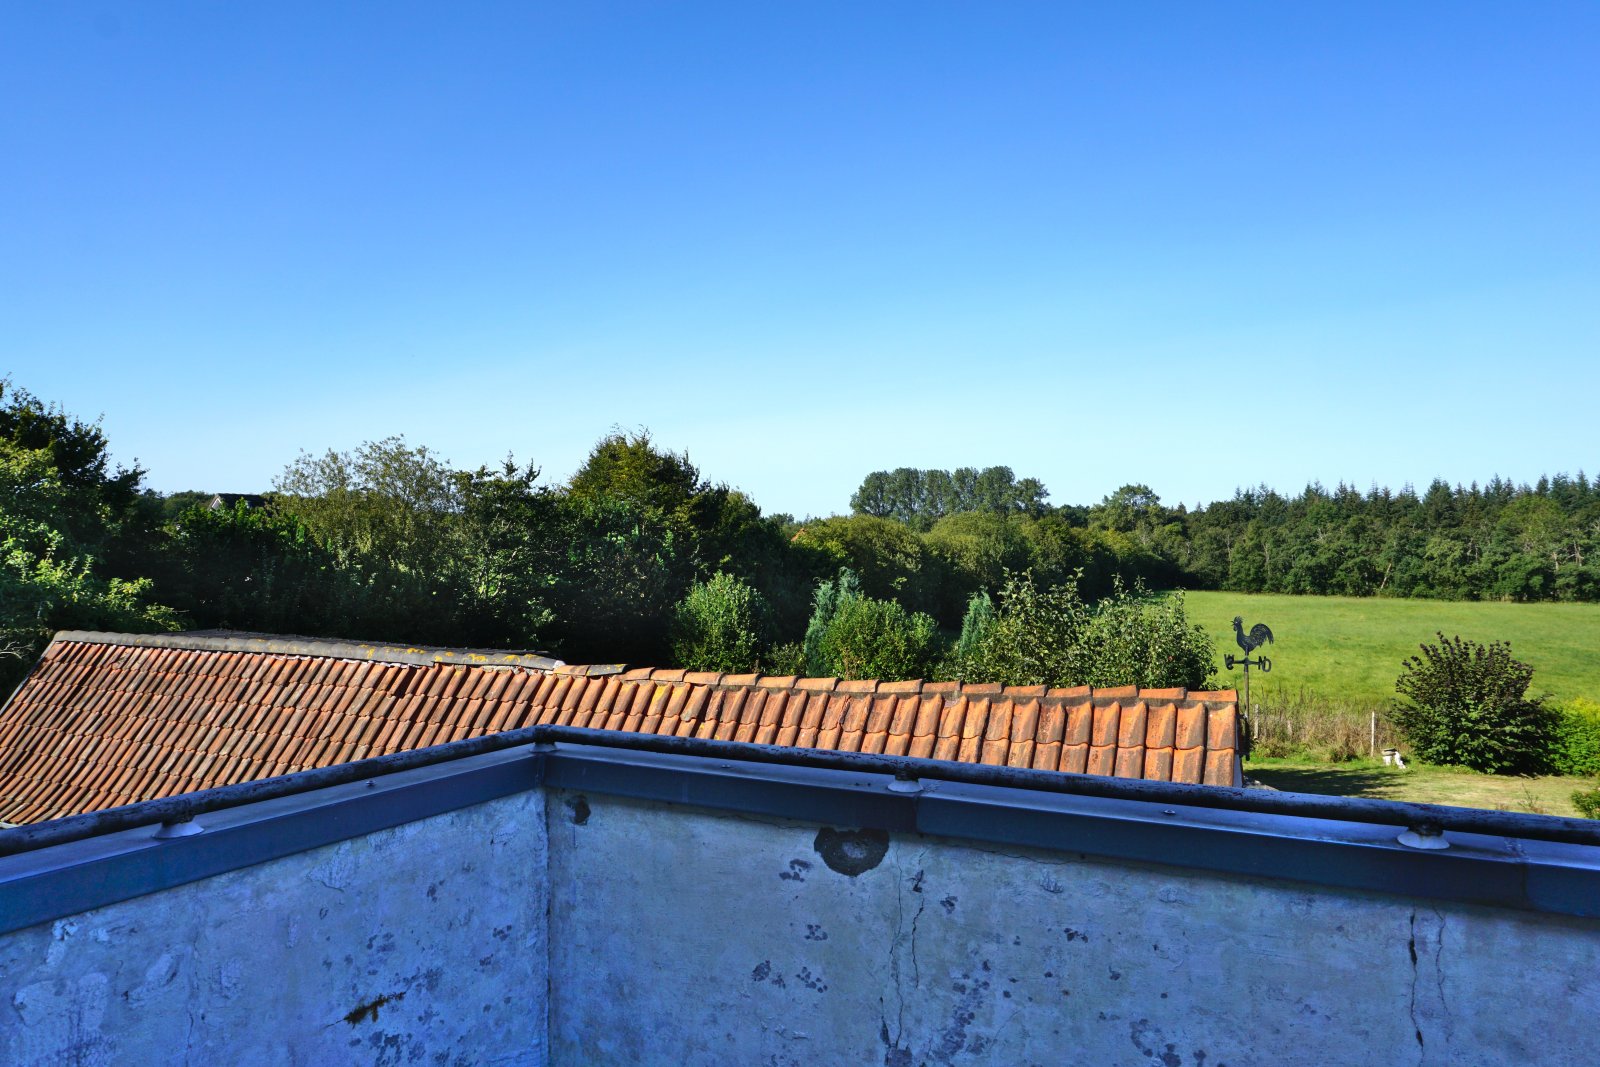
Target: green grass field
x=1423, y=784
x=1350, y=650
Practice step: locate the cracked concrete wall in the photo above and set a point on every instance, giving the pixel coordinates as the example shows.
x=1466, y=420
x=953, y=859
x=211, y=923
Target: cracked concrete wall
x=684, y=936
x=420, y=944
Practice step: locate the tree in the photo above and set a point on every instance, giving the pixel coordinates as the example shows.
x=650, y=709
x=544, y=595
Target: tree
x=505, y=554
x=1138, y=639
x=64, y=513
x=889, y=559
x=385, y=502
x=1466, y=703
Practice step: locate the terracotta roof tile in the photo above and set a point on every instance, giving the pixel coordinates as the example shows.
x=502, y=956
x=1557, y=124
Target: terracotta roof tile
x=824, y=684
x=1190, y=729
x=110, y=721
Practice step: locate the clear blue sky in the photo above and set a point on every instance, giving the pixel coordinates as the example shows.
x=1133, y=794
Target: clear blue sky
x=1191, y=245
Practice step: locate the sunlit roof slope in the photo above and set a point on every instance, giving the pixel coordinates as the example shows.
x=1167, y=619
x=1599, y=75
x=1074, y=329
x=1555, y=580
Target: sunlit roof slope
x=109, y=719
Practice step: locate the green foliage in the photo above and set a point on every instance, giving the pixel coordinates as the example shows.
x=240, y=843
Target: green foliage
x=1575, y=748
x=1136, y=639
x=825, y=603
x=624, y=466
x=1465, y=703
x=784, y=659
x=62, y=516
x=975, y=550
x=503, y=557
x=1050, y=636
x=1587, y=801
x=975, y=626
x=619, y=571
x=384, y=504
x=889, y=560
x=870, y=638
x=921, y=498
x=855, y=636
x=1035, y=638
x=717, y=626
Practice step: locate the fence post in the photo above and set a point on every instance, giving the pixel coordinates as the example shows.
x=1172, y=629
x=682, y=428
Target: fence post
x=1372, y=744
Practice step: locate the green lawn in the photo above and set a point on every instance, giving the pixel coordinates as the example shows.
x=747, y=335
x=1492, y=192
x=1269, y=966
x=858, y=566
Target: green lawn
x=1457, y=786
x=1350, y=649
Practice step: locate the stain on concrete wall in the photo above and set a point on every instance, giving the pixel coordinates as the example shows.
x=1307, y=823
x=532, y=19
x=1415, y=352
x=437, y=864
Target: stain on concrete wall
x=684, y=936
x=421, y=944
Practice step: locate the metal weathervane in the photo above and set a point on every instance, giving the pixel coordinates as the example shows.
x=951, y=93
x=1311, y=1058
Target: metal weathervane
x=1259, y=635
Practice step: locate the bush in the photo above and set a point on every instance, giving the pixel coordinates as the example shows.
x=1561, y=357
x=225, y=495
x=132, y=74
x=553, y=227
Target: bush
x=1576, y=747
x=1035, y=638
x=1051, y=637
x=1466, y=703
x=855, y=636
x=716, y=626
x=1136, y=639
x=1587, y=801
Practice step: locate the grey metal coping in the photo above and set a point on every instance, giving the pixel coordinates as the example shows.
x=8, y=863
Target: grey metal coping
x=239, y=826
x=285, y=645
x=1428, y=819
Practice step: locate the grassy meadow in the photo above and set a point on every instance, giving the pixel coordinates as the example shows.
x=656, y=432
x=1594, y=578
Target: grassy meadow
x=1334, y=662
x=1349, y=650
x=1421, y=783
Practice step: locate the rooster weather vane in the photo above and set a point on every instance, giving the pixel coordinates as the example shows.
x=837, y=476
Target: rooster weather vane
x=1259, y=635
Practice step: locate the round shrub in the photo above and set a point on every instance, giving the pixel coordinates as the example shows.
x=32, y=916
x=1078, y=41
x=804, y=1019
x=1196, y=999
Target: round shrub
x=1576, y=748
x=716, y=626
x=868, y=638
x=1466, y=703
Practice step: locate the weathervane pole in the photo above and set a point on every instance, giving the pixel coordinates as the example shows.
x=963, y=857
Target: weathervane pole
x=1259, y=635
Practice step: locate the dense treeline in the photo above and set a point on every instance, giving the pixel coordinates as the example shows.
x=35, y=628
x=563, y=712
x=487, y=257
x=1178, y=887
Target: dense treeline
x=1498, y=541
x=637, y=553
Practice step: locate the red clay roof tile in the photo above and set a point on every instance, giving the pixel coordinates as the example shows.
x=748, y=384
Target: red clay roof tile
x=103, y=721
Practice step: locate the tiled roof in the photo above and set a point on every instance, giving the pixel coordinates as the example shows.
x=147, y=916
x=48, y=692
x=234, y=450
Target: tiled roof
x=109, y=719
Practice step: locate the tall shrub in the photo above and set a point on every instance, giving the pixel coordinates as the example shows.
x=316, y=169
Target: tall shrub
x=1035, y=637
x=1050, y=636
x=856, y=636
x=824, y=605
x=717, y=626
x=1576, y=747
x=1466, y=703
x=1137, y=639
x=869, y=638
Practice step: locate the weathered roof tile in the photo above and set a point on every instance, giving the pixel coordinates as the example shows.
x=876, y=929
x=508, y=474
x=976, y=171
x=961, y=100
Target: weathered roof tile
x=104, y=719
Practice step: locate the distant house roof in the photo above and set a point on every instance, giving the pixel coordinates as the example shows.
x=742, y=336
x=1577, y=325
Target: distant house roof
x=109, y=719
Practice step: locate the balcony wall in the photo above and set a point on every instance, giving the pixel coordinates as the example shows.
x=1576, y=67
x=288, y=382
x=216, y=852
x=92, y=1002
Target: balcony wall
x=722, y=939
x=617, y=909
x=424, y=943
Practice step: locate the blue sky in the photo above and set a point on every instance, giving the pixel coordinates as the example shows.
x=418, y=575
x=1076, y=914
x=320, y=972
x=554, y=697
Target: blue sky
x=1191, y=245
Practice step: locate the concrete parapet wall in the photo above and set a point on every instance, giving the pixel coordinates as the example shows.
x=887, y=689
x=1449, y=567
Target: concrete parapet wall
x=529, y=913
x=418, y=944
x=684, y=936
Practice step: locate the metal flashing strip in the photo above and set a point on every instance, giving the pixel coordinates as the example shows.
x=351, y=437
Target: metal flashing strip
x=1430, y=819
x=1544, y=876
x=283, y=645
